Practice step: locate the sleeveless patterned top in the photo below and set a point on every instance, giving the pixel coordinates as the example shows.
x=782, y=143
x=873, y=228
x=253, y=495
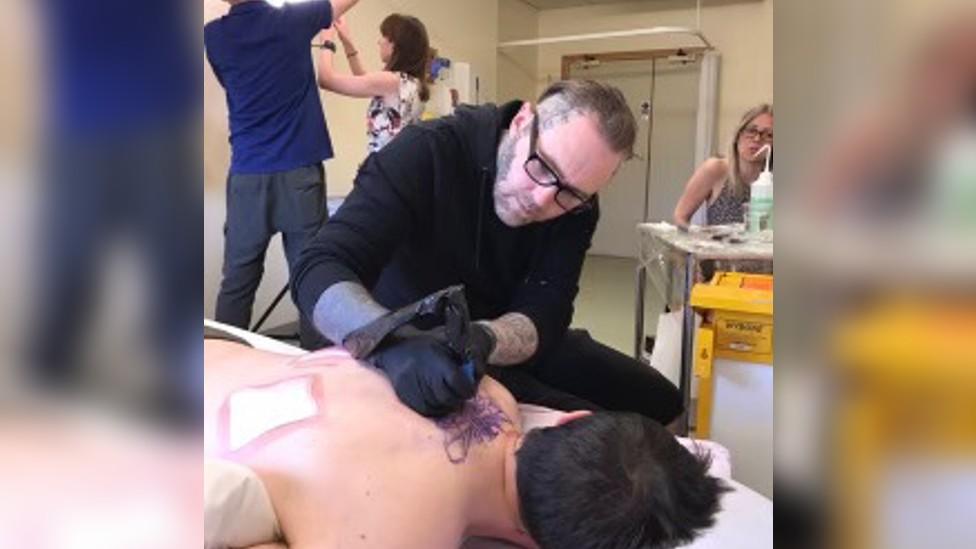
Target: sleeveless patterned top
x=387, y=115
x=726, y=208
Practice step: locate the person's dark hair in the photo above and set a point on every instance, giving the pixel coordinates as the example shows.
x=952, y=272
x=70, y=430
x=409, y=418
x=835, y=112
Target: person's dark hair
x=613, y=480
x=411, y=48
x=567, y=98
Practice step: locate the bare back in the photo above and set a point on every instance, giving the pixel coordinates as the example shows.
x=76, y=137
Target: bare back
x=345, y=463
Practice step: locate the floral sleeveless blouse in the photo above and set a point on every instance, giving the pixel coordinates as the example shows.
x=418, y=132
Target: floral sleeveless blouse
x=387, y=115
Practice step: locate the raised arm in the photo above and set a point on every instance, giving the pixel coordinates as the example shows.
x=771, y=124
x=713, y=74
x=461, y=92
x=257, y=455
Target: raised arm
x=352, y=53
x=340, y=7
x=366, y=85
x=711, y=172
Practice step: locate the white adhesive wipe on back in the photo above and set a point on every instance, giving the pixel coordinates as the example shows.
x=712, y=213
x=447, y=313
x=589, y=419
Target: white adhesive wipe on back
x=253, y=412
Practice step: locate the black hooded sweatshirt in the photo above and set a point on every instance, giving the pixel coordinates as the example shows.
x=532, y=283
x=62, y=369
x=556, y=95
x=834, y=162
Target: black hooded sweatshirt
x=421, y=217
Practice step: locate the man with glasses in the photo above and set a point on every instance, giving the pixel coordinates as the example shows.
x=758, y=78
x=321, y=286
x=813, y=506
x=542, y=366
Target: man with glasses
x=501, y=199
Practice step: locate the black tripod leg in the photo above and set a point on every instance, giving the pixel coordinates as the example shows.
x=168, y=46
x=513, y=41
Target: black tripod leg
x=267, y=312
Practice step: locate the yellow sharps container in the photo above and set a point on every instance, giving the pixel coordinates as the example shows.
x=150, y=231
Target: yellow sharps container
x=733, y=368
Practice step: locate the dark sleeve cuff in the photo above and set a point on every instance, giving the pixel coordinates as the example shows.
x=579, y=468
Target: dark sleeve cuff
x=308, y=285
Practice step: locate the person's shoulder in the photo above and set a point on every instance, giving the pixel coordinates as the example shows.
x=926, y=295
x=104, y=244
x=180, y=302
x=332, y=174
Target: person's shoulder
x=490, y=387
x=438, y=133
x=318, y=10
x=213, y=38
x=212, y=27
x=415, y=151
x=394, y=79
x=710, y=173
x=411, y=139
x=716, y=165
x=498, y=396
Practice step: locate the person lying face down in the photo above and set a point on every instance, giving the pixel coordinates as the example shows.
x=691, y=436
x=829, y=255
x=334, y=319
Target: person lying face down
x=346, y=464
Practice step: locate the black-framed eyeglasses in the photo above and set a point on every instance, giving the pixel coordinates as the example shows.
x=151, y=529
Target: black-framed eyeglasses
x=753, y=132
x=567, y=197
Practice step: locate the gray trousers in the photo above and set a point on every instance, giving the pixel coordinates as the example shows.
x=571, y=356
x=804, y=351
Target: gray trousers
x=258, y=206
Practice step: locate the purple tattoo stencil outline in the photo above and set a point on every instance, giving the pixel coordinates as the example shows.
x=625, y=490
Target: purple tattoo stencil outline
x=480, y=420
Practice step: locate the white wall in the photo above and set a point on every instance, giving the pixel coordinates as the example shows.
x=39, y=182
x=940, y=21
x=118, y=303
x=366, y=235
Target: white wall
x=671, y=156
x=741, y=31
x=518, y=69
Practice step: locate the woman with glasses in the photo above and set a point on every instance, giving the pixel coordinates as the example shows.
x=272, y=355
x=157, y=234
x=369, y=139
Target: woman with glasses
x=399, y=91
x=723, y=183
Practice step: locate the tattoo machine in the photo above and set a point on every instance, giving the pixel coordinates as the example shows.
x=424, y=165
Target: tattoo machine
x=447, y=305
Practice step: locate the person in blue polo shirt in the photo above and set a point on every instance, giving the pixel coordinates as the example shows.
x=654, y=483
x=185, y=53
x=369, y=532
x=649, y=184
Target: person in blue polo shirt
x=261, y=55
x=118, y=176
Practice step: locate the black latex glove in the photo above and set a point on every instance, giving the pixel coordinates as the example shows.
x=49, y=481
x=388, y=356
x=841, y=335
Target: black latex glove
x=475, y=343
x=480, y=344
x=425, y=372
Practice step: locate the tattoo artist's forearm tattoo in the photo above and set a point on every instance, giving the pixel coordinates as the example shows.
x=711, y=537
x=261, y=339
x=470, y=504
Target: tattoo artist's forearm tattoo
x=516, y=339
x=479, y=421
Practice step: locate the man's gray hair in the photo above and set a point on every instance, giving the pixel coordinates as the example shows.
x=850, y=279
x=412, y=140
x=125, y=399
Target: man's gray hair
x=566, y=99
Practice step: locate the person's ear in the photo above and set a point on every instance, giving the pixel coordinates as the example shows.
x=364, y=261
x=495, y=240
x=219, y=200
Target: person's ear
x=572, y=416
x=522, y=119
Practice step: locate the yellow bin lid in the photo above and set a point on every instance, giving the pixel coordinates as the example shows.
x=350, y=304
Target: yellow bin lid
x=739, y=292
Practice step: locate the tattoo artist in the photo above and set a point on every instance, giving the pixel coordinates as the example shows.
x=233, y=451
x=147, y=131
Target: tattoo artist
x=501, y=199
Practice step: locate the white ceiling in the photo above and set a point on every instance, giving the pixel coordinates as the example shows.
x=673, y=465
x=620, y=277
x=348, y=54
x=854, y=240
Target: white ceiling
x=556, y=4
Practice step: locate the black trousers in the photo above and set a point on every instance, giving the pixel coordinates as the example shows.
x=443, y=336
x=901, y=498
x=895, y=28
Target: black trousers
x=582, y=374
x=258, y=206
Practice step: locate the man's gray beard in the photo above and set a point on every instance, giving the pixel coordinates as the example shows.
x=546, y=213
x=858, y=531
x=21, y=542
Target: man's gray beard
x=506, y=155
x=503, y=164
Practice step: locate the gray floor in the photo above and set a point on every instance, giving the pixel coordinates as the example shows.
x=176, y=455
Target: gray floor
x=606, y=304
